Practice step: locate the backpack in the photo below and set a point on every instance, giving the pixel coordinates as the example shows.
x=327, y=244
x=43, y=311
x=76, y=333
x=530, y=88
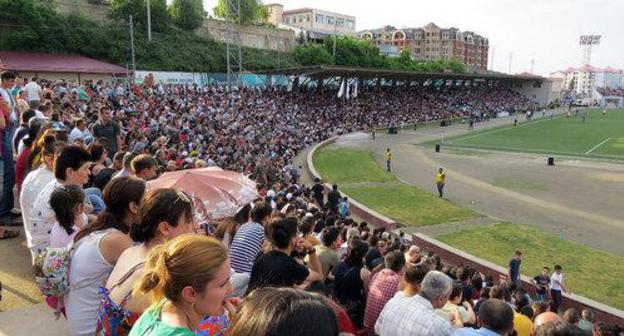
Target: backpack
x=51, y=270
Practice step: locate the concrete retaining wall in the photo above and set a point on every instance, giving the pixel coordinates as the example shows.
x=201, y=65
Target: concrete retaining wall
x=96, y=13
x=251, y=36
x=454, y=256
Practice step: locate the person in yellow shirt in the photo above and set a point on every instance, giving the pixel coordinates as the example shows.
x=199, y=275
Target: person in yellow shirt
x=522, y=323
x=388, y=157
x=440, y=179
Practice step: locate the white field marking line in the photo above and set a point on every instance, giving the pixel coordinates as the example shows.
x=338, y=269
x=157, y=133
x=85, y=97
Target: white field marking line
x=598, y=145
x=528, y=151
x=504, y=129
x=417, y=133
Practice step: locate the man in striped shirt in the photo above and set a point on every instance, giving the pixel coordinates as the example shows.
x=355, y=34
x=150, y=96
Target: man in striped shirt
x=249, y=238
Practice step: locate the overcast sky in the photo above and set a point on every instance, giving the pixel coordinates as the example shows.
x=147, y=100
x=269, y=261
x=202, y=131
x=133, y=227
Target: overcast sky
x=544, y=30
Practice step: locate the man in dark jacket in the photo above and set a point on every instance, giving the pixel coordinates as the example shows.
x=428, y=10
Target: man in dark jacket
x=333, y=198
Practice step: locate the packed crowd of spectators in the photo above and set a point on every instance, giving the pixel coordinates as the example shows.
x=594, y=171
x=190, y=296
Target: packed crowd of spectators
x=291, y=263
x=611, y=92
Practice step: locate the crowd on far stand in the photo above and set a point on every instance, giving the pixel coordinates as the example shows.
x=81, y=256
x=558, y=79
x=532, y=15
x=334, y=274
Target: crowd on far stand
x=617, y=92
x=115, y=258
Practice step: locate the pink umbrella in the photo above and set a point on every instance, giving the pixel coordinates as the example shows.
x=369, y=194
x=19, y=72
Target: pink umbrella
x=217, y=193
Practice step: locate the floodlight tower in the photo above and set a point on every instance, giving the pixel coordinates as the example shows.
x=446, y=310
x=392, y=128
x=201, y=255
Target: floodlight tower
x=586, y=42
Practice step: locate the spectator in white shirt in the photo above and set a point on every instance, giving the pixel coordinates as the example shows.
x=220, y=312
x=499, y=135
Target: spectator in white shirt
x=80, y=131
x=415, y=316
x=70, y=167
x=556, y=287
x=34, y=93
x=36, y=181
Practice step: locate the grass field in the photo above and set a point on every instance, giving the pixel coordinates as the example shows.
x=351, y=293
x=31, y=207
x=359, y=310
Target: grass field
x=588, y=272
x=358, y=175
x=349, y=166
x=600, y=136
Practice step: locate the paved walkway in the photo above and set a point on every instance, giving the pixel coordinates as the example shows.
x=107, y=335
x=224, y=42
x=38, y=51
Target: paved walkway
x=576, y=200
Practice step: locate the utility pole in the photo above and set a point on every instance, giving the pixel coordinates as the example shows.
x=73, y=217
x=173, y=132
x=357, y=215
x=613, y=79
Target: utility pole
x=240, y=50
x=510, y=58
x=132, y=48
x=149, y=21
x=335, y=39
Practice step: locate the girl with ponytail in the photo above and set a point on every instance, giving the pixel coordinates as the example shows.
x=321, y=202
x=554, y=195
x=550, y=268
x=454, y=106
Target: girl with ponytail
x=186, y=279
x=96, y=251
x=163, y=215
x=23, y=164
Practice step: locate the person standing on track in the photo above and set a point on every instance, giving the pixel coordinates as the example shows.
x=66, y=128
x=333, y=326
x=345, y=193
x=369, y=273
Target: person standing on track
x=388, y=157
x=440, y=180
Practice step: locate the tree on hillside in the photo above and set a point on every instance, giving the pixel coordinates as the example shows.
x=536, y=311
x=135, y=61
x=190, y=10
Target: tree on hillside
x=312, y=54
x=251, y=11
x=187, y=14
x=355, y=53
x=122, y=9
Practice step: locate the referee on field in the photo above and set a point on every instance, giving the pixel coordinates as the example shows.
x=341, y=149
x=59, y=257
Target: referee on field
x=388, y=157
x=440, y=180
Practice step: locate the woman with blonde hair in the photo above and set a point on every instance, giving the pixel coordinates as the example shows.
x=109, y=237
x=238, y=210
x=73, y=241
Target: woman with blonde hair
x=186, y=279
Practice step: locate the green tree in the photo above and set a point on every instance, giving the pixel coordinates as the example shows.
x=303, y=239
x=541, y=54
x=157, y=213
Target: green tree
x=309, y=54
x=301, y=38
x=354, y=52
x=456, y=65
x=187, y=14
x=251, y=11
x=122, y=9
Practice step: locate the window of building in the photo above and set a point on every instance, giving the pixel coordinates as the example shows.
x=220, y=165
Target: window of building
x=330, y=20
x=350, y=23
x=427, y=34
x=416, y=50
x=445, y=36
x=319, y=18
x=340, y=21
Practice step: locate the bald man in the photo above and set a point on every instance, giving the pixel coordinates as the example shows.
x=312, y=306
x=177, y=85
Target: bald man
x=545, y=318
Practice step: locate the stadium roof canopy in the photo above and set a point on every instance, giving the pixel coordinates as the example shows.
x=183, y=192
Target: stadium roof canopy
x=320, y=72
x=42, y=62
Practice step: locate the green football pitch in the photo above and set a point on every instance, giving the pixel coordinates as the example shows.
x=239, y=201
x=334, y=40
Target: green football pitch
x=599, y=136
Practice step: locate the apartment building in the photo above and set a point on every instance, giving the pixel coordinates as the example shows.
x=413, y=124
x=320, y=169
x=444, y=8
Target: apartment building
x=584, y=79
x=315, y=22
x=432, y=42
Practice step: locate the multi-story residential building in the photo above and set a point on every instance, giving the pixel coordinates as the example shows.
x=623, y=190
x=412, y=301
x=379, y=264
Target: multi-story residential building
x=432, y=42
x=582, y=80
x=315, y=22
